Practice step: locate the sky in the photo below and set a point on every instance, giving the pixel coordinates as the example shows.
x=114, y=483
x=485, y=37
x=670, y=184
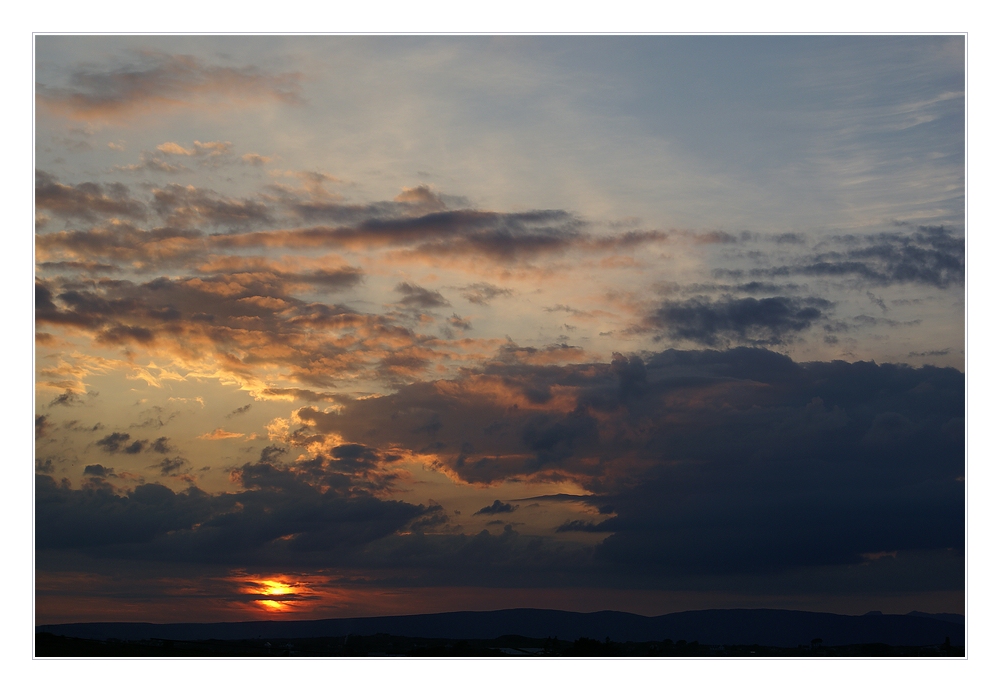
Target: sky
x=353, y=325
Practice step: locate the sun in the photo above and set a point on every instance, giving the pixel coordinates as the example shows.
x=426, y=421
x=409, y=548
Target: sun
x=283, y=592
x=272, y=587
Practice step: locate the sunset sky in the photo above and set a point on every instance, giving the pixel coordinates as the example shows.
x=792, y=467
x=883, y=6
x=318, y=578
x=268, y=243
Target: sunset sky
x=351, y=325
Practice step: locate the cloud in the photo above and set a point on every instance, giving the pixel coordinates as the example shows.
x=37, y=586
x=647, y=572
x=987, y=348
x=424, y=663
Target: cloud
x=275, y=518
x=119, y=442
x=173, y=148
x=924, y=255
x=197, y=149
x=312, y=343
x=156, y=81
x=805, y=463
x=580, y=525
x=42, y=426
x=924, y=354
x=501, y=237
x=459, y=323
x=497, y=508
x=119, y=335
x=86, y=201
x=270, y=454
x=483, y=293
x=185, y=206
x=97, y=470
x=67, y=398
x=406, y=225
x=239, y=412
x=220, y=434
x=417, y=297
x=294, y=393
x=707, y=466
x=151, y=162
x=766, y=321
x=253, y=159
x=172, y=466
x=563, y=308
x=161, y=445
x=421, y=198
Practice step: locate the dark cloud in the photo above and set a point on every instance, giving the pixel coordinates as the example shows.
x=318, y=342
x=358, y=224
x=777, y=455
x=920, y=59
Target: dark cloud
x=172, y=466
x=119, y=442
x=85, y=201
x=497, y=508
x=788, y=238
x=157, y=80
x=276, y=519
x=417, y=227
x=354, y=458
x=508, y=237
x=311, y=210
x=42, y=426
x=97, y=470
x=345, y=277
x=239, y=412
x=417, y=297
x=751, y=287
x=483, y=293
x=186, y=206
x=155, y=420
x=67, y=398
x=704, y=462
x=869, y=321
x=579, y=525
x=121, y=243
x=270, y=454
x=149, y=161
x=922, y=354
x=435, y=518
x=928, y=255
x=502, y=237
x=877, y=301
x=563, y=308
x=161, y=445
x=765, y=321
x=120, y=335
x=74, y=266
x=459, y=323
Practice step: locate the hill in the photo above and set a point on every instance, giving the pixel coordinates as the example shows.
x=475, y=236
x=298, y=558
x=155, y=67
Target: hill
x=779, y=628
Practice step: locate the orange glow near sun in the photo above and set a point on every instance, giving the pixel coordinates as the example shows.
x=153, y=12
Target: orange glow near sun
x=285, y=595
x=272, y=587
x=275, y=588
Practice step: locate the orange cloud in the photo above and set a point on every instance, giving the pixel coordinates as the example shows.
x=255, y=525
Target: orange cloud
x=220, y=434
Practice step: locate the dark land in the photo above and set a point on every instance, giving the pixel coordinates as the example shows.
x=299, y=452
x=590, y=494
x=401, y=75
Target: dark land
x=526, y=632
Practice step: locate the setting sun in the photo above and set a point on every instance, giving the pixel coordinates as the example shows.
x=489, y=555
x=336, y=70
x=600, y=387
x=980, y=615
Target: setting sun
x=281, y=593
x=276, y=588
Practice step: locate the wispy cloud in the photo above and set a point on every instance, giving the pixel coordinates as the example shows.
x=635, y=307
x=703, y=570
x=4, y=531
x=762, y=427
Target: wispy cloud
x=153, y=81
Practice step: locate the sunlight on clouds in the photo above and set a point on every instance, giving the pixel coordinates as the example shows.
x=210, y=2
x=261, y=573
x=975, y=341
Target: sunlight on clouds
x=527, y=340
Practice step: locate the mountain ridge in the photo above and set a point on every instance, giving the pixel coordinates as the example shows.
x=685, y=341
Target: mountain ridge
x=766, y=627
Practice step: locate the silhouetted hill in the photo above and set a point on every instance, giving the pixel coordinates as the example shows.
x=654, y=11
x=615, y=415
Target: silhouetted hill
x=782, y=628
x=947, y=617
